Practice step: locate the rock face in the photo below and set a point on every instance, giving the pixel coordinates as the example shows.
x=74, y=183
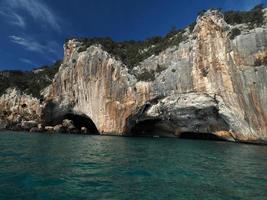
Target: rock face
x=208, y=84
x=18, y=110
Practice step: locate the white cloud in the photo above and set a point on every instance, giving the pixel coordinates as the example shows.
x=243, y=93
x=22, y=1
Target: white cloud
x=25, y=60
x=18, y=20
x=30, y=45
x=14, y=18
x=38, y=10
x=34, y=46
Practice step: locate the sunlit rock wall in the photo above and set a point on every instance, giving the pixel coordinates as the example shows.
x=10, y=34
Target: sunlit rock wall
x=207, y=83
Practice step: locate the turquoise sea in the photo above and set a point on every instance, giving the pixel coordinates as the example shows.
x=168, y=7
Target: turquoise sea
x=42, y=166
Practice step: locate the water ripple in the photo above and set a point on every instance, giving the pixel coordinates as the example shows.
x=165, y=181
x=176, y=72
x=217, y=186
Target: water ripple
x=40, y=166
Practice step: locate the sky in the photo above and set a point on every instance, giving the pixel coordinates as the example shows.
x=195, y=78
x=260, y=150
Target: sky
x=33, y=31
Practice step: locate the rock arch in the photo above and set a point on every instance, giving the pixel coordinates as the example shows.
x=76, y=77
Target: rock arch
x=194, y=116
x=52, y=116
x=81, y=121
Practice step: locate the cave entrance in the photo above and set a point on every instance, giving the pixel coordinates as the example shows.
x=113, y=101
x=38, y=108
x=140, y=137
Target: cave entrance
x=160, y=128
x=151, y=128
x=80, y=121
x=200, y=136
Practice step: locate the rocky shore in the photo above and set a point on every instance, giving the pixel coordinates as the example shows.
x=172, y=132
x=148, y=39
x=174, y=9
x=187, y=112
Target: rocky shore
x=21, y=112
x=67, y=126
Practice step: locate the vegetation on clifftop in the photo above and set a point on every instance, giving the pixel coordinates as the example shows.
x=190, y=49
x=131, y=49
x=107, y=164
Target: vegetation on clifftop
x=253, y=17
x=133, y=52
x=130, y=52
x=30, y=82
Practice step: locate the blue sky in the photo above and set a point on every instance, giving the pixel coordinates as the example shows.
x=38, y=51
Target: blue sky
x=33, y=31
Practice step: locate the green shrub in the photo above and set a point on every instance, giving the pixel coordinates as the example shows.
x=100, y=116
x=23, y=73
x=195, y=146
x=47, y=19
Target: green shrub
x=146, y=76
x=253, y=17
x=192, y=26
x=133, y=52
x=29, y=82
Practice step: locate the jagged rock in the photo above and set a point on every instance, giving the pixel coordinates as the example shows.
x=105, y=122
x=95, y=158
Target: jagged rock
x=207, y=83
x=68, y=125
x=37, y=129
x=16, y=107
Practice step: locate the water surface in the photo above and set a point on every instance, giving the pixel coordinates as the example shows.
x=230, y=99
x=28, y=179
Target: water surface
x=42, y=166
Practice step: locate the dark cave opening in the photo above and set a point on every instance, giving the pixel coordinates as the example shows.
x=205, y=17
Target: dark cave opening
x=80, y=121
x=199, y=136
x=159, y=128
x=151, y=128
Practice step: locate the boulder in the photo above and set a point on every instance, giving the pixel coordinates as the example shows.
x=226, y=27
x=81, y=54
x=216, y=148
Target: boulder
x=49, y=129
x=59, y=128
x=67, y=123
x=69, y=126
x=27, y=125
x=40, y=127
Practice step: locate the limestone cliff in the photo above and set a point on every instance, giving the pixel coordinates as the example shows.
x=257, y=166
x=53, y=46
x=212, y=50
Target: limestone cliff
x=211, y=82
x=20, y=100
x=17, y=107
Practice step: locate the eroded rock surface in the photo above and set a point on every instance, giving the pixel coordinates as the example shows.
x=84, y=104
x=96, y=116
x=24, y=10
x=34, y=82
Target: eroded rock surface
x=19, y=110
x=208, y=83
